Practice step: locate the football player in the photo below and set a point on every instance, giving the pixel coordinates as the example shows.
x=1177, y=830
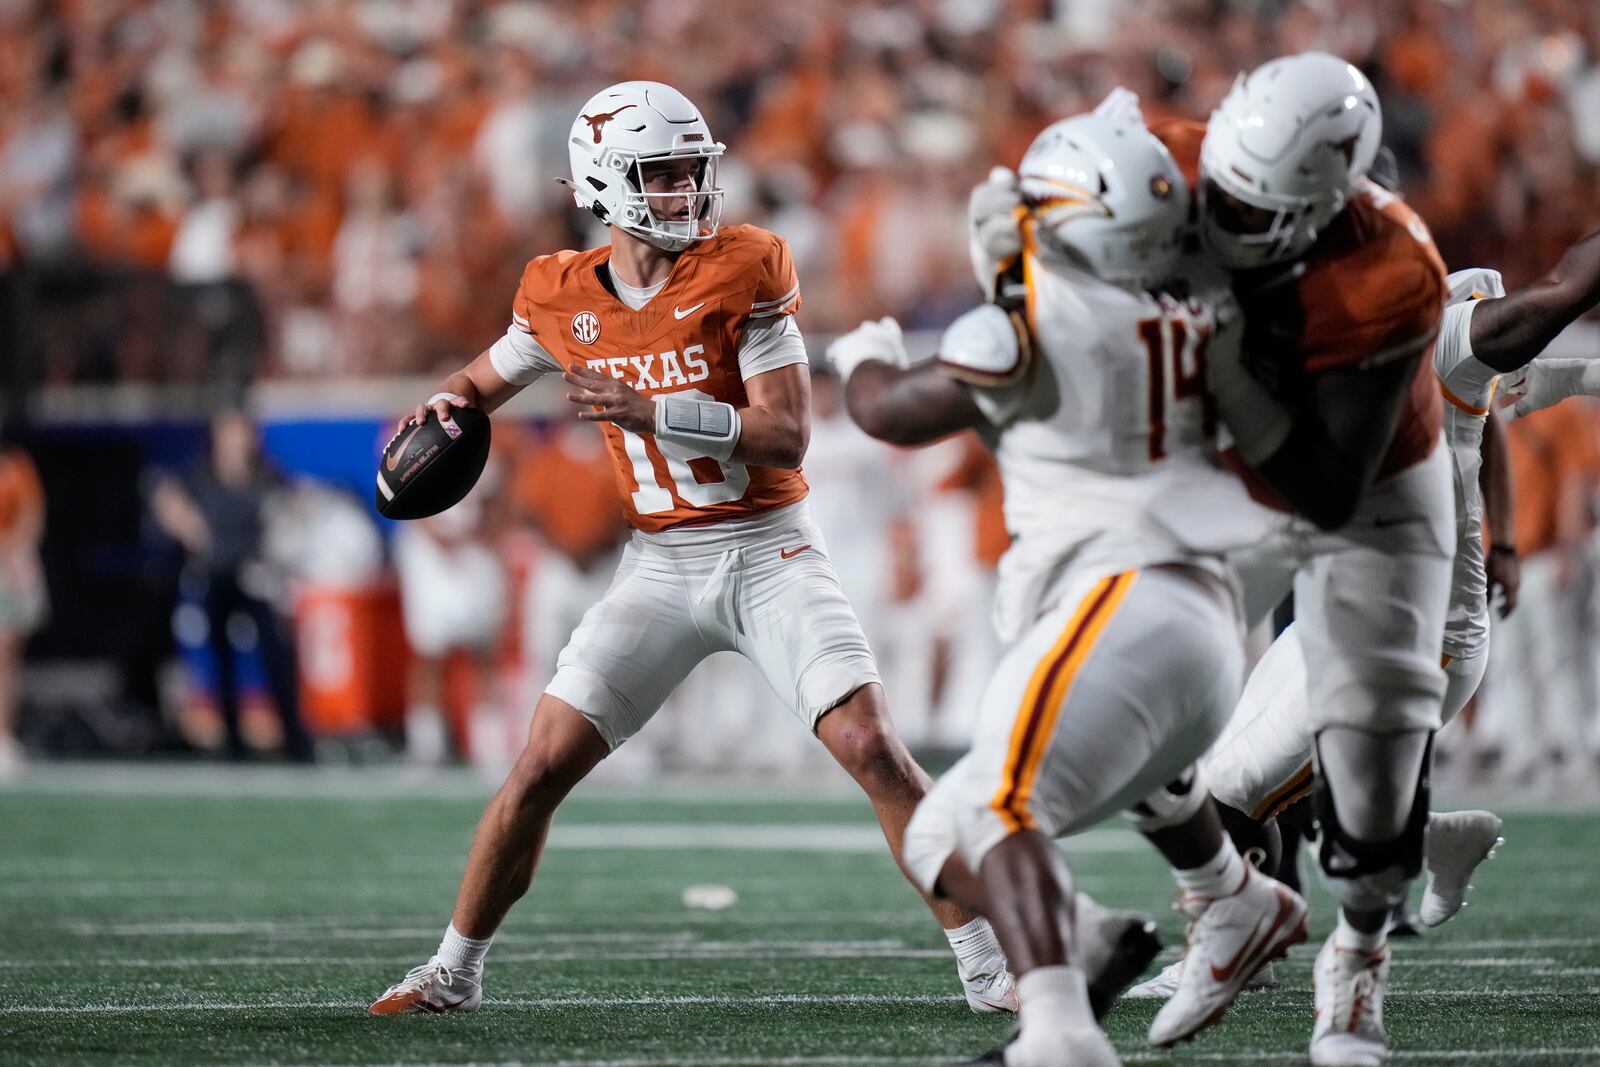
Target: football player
x=679, y=339
x=1124, y=650
x=1262, y=764
x=1334, y=405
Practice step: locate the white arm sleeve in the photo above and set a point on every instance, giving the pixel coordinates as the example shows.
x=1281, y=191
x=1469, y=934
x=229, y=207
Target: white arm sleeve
x=768, y=344
x=519, y=358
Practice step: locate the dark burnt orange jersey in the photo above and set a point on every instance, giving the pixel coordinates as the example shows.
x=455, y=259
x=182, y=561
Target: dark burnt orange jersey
x=685, y=341
x=1370, y=291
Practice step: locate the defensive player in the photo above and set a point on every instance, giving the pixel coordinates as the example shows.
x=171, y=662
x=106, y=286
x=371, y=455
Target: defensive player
x=1124, y=647
x=679, y=339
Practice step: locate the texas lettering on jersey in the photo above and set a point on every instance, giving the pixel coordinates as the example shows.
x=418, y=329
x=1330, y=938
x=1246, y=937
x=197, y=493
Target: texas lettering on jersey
x=685, y=341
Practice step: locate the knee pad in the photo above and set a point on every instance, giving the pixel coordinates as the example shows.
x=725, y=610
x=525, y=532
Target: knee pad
x=1172, y=805
x=1371, y=875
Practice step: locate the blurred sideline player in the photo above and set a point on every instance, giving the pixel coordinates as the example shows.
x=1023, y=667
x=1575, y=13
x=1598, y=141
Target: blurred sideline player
x=563, y=487
x=678, y=339
x=452, y=598
x=22, y=589
x=1125, y=649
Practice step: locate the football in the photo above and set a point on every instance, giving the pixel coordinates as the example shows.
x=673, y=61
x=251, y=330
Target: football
x=428, y=468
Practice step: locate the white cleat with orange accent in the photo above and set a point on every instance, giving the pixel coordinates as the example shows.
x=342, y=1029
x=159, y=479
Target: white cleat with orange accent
x=433, y=988
x=1349, y=988
x=1230, y=939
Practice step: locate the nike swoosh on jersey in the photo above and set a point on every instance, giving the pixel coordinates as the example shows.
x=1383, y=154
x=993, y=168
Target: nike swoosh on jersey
x=683, y=313
x=791, y=553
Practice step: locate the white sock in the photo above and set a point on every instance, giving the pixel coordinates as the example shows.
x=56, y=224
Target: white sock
x=462, y=953
x=1348, y=937
x=975, y=946
x=1221, y=876
x=1055, y=1001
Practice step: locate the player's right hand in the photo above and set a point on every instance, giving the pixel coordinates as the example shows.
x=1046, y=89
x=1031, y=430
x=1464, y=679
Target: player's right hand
x=992, y=216
x=439, y=403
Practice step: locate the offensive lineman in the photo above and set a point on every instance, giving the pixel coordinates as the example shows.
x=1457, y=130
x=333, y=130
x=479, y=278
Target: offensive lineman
x=1262, y=762
x=678, y=339
x=1125, y=652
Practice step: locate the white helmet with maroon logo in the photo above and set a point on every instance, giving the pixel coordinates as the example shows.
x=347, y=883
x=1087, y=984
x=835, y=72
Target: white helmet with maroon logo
x=1104, y=192
x=618, y=134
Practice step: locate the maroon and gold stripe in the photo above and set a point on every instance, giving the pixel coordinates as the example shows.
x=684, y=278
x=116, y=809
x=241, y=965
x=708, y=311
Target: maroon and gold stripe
x=1046, y=693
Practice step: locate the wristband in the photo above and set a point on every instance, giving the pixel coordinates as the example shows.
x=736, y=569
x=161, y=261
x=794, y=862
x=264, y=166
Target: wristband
x=689, y=429
x=436, y=397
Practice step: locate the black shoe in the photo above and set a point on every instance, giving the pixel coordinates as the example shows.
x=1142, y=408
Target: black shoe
x=1400, y=924
x=1137, y=947
x=995, y=1058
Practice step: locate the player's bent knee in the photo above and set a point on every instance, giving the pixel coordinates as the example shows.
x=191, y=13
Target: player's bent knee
x=861, y=739
x=1172, y=805
x=1367, y=874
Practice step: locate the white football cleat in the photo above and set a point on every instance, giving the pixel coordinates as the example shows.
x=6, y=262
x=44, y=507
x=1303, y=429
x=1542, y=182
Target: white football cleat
x=1163, y=985
x=1456, y=843
x=1230, y=939
x=435, y=988
x=990, y=989
x=1348, y=993
x=1076, y=1048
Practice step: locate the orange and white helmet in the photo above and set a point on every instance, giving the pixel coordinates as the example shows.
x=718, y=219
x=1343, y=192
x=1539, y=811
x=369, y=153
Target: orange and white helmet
x=1290, y=140
x=1101, y=189
x=619, y=132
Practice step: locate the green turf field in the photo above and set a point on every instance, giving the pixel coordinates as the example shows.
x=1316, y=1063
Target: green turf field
x=149, y=921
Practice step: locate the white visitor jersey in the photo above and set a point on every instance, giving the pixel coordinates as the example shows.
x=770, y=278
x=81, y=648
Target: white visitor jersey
x=1096, y=424
x=1468, y=388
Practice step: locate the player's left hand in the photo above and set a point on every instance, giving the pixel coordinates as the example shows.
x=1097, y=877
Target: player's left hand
x=1505, y=573
x=608, y=399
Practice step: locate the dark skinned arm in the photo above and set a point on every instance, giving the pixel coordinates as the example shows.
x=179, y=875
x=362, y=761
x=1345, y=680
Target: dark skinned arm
x=1494, y=478
x=1509, y=331
x=910, y=406
x=1339, y=436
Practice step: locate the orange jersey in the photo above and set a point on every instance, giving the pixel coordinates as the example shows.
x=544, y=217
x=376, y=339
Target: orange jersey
x=1371, y=290
x=21, y=497
x=685, y=341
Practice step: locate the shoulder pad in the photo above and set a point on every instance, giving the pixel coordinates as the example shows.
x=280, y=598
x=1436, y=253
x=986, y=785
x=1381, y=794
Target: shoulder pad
x=987, y=347
x=1475, y=283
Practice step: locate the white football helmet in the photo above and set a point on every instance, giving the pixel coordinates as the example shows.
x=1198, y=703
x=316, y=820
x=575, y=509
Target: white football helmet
x=620, y=132
x=1292, y=139
x=1103, y=191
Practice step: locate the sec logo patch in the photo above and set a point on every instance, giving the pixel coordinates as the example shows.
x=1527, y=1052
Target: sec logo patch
x=586, y=327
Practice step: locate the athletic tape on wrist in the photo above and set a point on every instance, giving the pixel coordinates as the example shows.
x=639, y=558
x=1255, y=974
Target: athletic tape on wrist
x=693, y=428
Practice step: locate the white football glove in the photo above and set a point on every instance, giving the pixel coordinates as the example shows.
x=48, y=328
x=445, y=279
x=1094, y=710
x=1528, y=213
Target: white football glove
x=1546, y=382
x=994, y=236
x=880, y=340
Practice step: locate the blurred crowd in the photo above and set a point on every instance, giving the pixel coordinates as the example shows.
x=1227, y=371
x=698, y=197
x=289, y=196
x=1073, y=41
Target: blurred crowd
x=376, y=171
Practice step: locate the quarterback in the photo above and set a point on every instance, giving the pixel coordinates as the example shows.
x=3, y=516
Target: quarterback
x=679, y=339
x=1124, y=650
